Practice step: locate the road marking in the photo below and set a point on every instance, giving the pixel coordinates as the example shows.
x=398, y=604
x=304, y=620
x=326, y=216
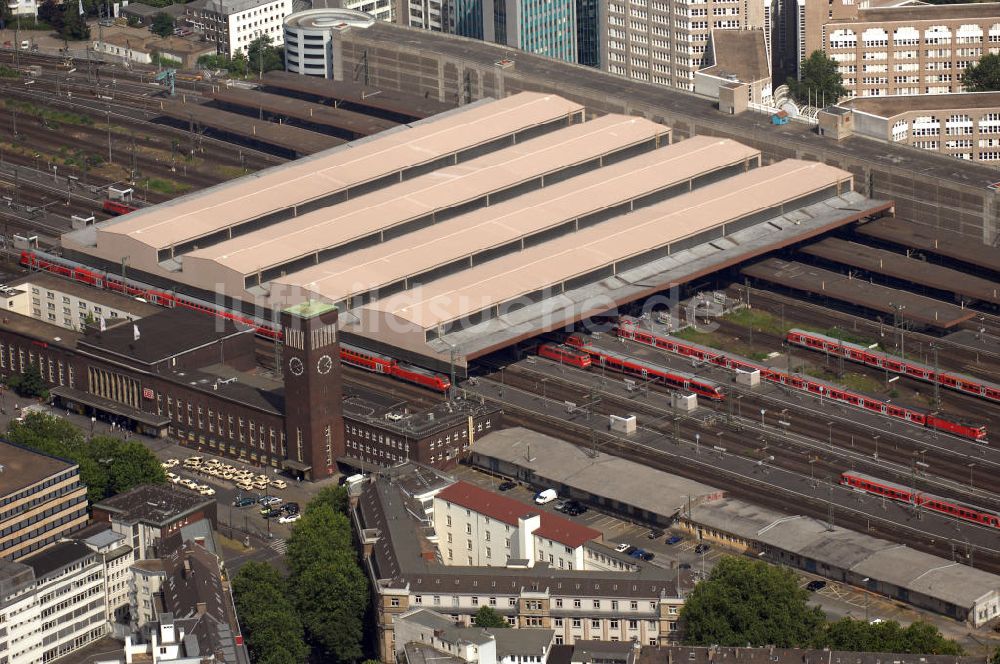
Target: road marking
x=279, y=545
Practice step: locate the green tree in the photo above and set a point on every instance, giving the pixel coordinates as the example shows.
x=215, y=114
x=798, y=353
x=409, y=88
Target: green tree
x=888, y=636
x=51, y=13
x=262, y=56
x=984, y=76
x=28, y=383
x=334, y=496
x=487, y=616
x=320, y=535
x=75, y=26
x=332, y=599
x=270, y=623
x=820, y=81
x=163, y=25
x=748, y=602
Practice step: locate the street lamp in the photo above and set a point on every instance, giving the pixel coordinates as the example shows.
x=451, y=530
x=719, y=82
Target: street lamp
x=867, y=596
x=876, y=437
x=762, y=411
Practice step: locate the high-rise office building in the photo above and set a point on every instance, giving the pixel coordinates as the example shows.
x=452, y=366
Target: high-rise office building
x=542, y=27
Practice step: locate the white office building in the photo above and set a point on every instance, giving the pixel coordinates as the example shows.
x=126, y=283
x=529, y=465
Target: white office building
x=232, y=25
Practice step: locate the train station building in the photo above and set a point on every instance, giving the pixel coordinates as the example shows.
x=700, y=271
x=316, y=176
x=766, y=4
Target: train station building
x=447, y=239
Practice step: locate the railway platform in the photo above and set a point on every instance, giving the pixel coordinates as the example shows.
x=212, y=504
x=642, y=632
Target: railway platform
x=905, y=269
x=918, y=309
x=944, y=243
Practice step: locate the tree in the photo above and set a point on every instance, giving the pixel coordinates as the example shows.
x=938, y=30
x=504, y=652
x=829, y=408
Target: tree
x=107, y=465
x=28, y=383
x=334, y=496
x=984, y=76
x=163, y=25
x=262, y=56
x=320, y=535
x=820, y=81
x=487, y=616
x=75, y=26
x=332, y=599
x=748, y=602
x=51, y=13
x=270, y=623
x=859, y=636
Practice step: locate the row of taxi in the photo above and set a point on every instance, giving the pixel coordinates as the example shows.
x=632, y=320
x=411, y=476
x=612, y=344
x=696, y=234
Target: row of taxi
x=241, y=478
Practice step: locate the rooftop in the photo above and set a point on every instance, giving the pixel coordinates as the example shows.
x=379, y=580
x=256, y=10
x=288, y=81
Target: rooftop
x=888, y=107
x=166, y=334
x=365, y=405
x=508, y=510
x=724, y=655
x=886, y=15
x=154, y=504
x=739, y=53
x=57, y=556
x=21, y=468
x=84, y=292
x=558, y=462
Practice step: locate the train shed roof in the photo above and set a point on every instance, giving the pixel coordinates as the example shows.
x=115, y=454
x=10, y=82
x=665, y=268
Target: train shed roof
x=279, y=192
x=916, y=308
x=880, y=261
x=612, y=245
x=371, y=216
x=585, y=199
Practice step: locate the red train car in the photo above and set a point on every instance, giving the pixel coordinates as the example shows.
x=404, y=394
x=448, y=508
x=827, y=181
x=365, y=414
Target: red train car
x=367, y=360
x=953, y=380
x=629, y=329
x=565, y=355
x=632, y=366
x=117, y=208
x=905, y=494
x=421, y=376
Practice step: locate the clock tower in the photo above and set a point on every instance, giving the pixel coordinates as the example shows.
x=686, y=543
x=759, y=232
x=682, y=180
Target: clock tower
x=314, y=424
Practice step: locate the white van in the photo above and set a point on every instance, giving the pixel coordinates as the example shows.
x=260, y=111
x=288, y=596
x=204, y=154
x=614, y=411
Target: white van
x=546, y=496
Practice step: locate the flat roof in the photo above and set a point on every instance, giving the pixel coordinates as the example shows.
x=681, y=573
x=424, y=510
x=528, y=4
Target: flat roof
x=23, y=467
x=606, y=244
x=880, y=261
x=371, y=96
x=558, y=462
x=280, y=187
x=359, y=217
x=299, y=141
x=859, y=292
x=155, y=504
x=888, y=107
x=602, y=189
x=927, y=238
x=106, y=298
x=887, y=15
x=314, y=113
x=741, y=53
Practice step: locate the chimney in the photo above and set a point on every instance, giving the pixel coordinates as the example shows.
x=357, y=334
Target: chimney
x=187, y=567
x=200, y=608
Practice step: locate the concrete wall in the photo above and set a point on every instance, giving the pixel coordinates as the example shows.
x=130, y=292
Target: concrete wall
x=934, y=191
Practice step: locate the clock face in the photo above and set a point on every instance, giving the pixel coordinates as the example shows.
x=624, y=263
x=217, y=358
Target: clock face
x=295, y=366
x=324, y=364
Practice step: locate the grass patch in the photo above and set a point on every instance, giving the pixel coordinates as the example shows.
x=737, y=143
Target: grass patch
x=713, y=341
x=850, y=380
x=165, y=186
x=231, y=172
x=27, y=23
x=7, y=72
x=758, y=319
x=49, y=115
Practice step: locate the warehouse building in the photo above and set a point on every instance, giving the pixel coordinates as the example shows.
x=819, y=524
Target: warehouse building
x=451, y=238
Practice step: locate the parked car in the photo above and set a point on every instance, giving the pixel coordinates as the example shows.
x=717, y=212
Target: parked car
x=268, y=500
x=637, y=553
x=270, y=512
x=648, y=555
x=507, y=485
x=560, y=505
x=290, y=508
x=813, y=586
x=622, y=548
x=702, y=548
x=674, y=539
x=289, y=518
x=546, y=496
x=206, y=490
x=279, y=484
x=655, y=533
x=244, y=501
x=684, y=566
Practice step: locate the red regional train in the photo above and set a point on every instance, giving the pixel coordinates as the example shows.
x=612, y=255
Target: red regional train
x=905, y=494
x=117, y=208
x=105, y=280
x=632, y=366
x=875, y=358
x=565, y=355
x=628, y=329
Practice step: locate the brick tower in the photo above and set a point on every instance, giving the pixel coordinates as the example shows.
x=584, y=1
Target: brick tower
x=314, y=424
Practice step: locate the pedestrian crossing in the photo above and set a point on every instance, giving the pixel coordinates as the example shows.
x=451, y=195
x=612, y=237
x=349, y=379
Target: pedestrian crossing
x=280, y=545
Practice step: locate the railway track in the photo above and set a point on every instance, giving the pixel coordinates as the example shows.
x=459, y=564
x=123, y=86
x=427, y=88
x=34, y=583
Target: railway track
x=676, y=456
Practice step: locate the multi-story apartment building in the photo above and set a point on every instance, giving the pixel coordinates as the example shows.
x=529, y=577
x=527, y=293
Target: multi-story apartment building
x=898, y=47
x=665, y=41
x=68, y=304
x=117, y=557
x=394, y=517
x=41, y=500
x=232, y=25
x=965, y=125
x=542, y=27
x=51, y=603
